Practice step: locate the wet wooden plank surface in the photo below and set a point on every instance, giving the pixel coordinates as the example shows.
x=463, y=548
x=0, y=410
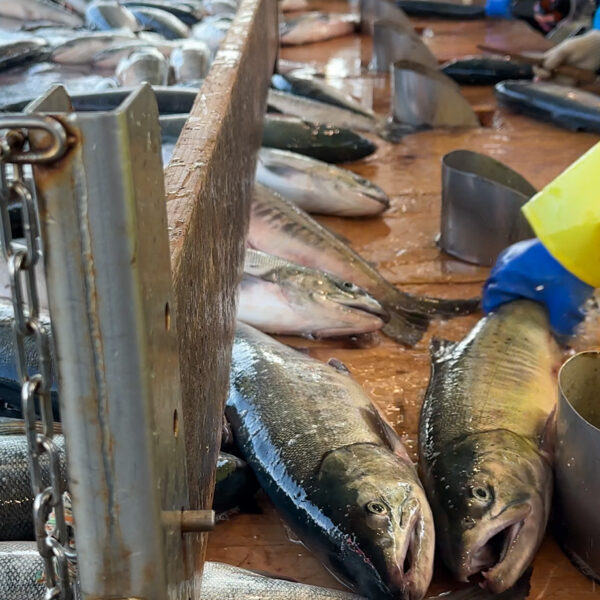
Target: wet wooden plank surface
x=402, y=244
x=209, y=183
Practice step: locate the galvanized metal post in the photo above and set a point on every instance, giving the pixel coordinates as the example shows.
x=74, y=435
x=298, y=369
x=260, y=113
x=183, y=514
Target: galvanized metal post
x=106, y=253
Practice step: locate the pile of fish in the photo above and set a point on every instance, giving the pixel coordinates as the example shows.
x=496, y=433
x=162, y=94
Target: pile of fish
x=103, y=44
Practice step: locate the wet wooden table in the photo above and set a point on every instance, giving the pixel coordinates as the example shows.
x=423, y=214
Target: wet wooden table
x=402, y=245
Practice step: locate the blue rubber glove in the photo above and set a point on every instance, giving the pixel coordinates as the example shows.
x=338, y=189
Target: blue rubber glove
x=498, y=8
x=527, y=270
x=596, y=21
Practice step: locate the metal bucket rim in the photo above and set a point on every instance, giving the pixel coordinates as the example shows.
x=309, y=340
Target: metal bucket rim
x=562, y=394
x=467, y=173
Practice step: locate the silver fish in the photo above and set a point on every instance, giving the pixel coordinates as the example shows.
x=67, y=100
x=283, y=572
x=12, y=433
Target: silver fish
x=109, y=14
x=17, y=49
x=320, y=112
x=39, y=10
x=335, y=470
x=279, y=227
x=277, y=296
x=83, y=48
x=485, y=459
x=225, y=582
x=318, y=187
x=143, y=65
x=316, y=27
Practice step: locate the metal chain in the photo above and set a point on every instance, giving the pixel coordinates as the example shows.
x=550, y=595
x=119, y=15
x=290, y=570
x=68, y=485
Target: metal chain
x=22, y=258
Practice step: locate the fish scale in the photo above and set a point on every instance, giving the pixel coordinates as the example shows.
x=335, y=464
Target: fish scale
x=321, y=451
x=483, y=453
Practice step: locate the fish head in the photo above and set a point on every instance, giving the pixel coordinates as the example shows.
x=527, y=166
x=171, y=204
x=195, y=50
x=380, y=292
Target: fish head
x=491, y=506
x=382, y=519
x=333, y=296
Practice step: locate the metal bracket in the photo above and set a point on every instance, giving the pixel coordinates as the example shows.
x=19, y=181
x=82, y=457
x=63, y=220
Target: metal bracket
x=106, y=253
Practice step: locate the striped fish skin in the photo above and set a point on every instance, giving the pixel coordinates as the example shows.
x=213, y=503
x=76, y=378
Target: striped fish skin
x=485, y=460
x=16, y=495
x=279, y=227
x=278, y=296
x=21, y=568
x=336, y=471
x=225, y=582
x=318, y=187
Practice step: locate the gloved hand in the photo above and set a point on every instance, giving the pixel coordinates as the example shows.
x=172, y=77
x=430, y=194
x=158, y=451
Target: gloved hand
x=498, y=8
x=527, y=270
x=582, y=51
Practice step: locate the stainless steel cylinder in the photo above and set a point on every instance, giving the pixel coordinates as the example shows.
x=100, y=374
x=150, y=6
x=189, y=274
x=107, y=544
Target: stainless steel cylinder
x=374, y=10
x=578, y=461
x=424, y=97
x=481, y=207
x=392, y=43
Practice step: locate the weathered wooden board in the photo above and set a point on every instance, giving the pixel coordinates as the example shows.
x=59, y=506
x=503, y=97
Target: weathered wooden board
x=208, y=183
x=402, y=244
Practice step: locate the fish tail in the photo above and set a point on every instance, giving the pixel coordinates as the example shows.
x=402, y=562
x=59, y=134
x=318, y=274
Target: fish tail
x=405, y=327
x=437, y=307
x=410, y=315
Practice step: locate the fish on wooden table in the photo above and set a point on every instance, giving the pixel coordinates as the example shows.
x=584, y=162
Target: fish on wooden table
x=316, y=27
x=321, y=141
x=484, y=448
x=319, y=112
x=336, y=471
x=105, y=15
x=277, y=296
x=318, y=187
x=486, y=70
x=17, y=49
x=568, y=107
x=161, y=21
x=82, y=48
x=323, y=112
x=279, y=227
x=308, y=83
x=226, y=582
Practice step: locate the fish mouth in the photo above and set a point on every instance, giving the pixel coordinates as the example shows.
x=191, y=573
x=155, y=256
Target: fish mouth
x=506, y=550
x=410, y=573
x=367, y=305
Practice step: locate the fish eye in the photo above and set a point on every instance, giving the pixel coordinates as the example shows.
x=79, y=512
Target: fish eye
x=348, y=285
x=377, y=508
x=481, y=493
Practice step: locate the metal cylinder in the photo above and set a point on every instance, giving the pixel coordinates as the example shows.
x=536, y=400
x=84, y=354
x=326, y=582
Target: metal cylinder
x=373, y=10
x=424, y=97
x=393, y=42
x=578, y=461
x=481, y=207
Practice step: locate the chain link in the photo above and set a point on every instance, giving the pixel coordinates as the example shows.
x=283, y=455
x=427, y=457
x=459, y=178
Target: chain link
x=22, y=258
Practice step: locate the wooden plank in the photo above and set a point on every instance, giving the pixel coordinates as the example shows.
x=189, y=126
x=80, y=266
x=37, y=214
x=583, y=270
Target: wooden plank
x=208, y=182
x=402, y=244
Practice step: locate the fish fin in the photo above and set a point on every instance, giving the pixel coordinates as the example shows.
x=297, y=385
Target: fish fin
x=339, y=366
x=548, y=437
x=404, y=327
x=443, y=307
x=391, y=435
x=440, y=348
